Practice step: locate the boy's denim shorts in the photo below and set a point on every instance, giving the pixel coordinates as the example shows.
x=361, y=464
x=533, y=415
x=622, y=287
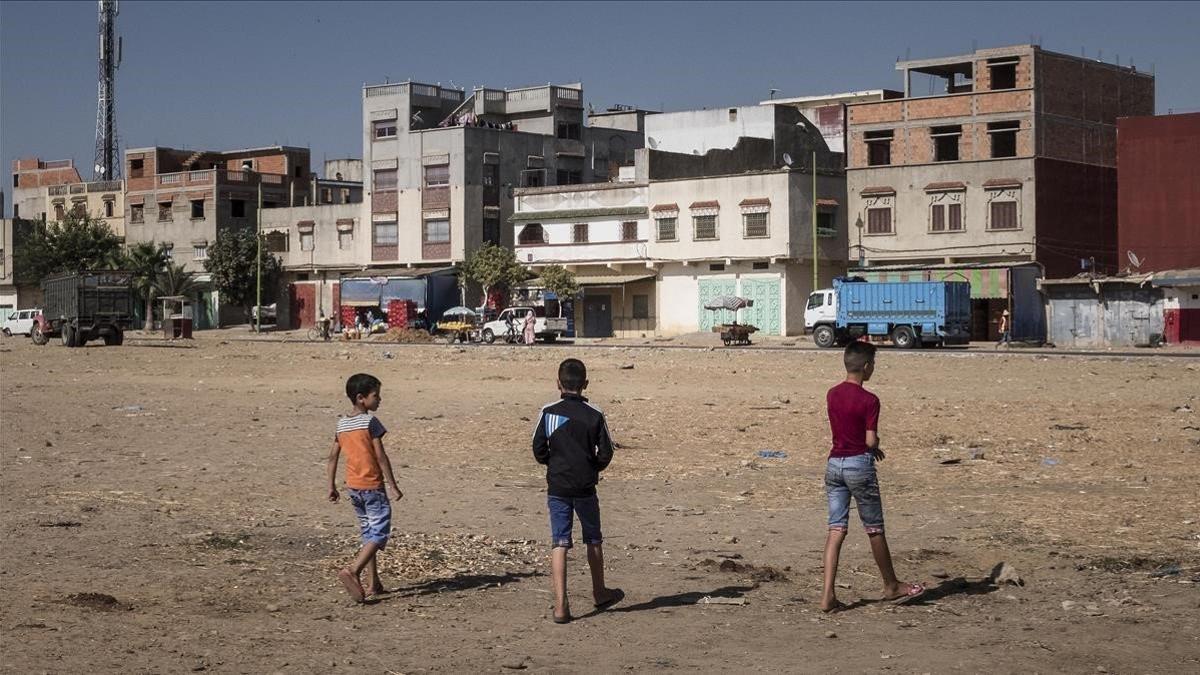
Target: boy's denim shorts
x=847, y=477
x=374, y=512
x=562, y=510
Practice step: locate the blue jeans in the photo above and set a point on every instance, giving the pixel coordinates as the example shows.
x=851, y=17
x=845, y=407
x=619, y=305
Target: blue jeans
x=847, y=477
x=562, y=510
x=374, y=512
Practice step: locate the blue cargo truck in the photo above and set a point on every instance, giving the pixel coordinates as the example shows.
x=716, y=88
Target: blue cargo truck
x=910, y=313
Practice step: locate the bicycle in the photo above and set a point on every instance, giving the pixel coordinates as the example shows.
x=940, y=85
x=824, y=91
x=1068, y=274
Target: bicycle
x=315, y=334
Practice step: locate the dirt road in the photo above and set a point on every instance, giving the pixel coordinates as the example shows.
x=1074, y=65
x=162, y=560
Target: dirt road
x=163, y=511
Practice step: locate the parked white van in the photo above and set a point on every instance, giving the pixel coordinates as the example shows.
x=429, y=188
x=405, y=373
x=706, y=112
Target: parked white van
x=19, y=322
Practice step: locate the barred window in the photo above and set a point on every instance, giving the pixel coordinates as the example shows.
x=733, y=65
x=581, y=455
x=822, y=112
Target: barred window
x=579, y=233
x=200, y=252
x=704, y=227
x=666, y=228
x=629, y=231
x=755, y=225
x=437, y=231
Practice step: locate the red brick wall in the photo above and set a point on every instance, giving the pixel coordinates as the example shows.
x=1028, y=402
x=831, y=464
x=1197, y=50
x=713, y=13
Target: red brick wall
x=939, y=106
x=871, y=113
x=1091, y=91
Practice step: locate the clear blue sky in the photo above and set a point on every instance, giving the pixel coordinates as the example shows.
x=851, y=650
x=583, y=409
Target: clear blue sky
x=228, y=75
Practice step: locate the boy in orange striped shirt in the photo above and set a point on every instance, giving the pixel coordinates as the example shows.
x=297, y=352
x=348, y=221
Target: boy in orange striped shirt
x=360, y=436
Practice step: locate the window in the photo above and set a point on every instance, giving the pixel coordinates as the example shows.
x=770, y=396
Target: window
x=491, y=175
x=164, y=212
x=306, y=240
x=200, y=252
x=137, y=213
x=197, y=209
x=945, y=143
x=108, y=208
x=733, y=114
x=237, y=208
x=1004, y=216
x=666, y=228
x=386, y=233
x=579, y=233
x=937, y=218
x=437, y=175
x=716, y=267
x=533, y=178
x=641, y=306
x=816, y=300
x=761, y=265
x=826, y=223
x=437, y=231
x=136, y=168
x=569, y=130
x=1003, y=73
x=954, y=221
x=298, y=172
x=79, y=208
x=879, y=147
x=565, y=177
x=385, y=179
x=60, y=212
x=1004, y=138
x=879, y=221
x=754, y=225
x=532, y=234
x=629, y=231
x=704, y=227
x=385, y=129
x=491, y=229
x=247, y=165
x=326, y=196
x=345, y=239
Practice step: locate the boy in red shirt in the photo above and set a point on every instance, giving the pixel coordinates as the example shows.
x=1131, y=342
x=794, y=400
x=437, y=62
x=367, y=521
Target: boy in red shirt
x=850, y=472
x=360, y=436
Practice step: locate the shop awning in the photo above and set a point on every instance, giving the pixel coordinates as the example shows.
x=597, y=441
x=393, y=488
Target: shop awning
x=988, y=280
x=598, y=280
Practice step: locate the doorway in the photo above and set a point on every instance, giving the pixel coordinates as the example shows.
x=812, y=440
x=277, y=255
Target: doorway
x=597, y=316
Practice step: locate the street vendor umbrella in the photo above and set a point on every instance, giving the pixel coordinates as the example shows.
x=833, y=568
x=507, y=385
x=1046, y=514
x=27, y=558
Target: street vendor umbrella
x=730, y=302
x=459, y=311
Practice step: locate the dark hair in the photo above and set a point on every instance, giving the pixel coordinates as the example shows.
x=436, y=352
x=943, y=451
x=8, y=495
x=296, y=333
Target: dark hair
x=361, y=384
x=858, y=355
x=572, y=374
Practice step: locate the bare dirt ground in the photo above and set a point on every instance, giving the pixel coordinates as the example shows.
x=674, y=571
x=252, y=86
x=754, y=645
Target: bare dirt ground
x=163, y=511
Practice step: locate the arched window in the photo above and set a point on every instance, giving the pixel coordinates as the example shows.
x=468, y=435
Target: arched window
x=531, y=234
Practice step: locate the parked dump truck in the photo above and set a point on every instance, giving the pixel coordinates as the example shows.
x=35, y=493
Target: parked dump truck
x=85, y=306
x=910, y=313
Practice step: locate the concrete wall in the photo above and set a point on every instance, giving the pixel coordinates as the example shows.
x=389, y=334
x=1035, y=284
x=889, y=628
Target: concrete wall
x=703, y=130
x=326, y=250
x=350, y=169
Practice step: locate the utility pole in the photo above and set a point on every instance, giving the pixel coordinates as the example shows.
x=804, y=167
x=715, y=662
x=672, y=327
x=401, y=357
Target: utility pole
x=107, y=166
x=815, y=284
x=258, y=261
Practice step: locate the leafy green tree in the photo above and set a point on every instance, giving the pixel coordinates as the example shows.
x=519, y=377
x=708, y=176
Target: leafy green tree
x=492, y=267
x=174, y=280
x=146, y=260
x=231, y=264
x=74, y=244
x=561, y=282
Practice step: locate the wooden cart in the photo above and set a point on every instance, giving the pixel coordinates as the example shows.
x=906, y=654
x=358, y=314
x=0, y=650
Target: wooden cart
x=735, y=334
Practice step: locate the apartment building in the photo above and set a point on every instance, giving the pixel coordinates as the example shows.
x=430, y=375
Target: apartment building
x=440, y=163
x=679, y=229
x=991, y=160
x=183, y=198
x=103, y=200
x=30, y=178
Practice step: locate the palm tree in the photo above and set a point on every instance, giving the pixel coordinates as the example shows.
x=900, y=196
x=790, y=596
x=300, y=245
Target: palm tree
x=173, y=280
x=146, y=261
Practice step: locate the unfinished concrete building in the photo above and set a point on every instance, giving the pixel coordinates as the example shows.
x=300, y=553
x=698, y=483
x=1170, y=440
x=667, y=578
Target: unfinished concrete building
x=440, y=163
x=993, y=159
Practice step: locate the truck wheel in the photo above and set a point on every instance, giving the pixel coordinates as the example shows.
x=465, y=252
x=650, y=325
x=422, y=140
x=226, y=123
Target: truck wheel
x=67, y=335
x=488, y=336
x=550, y=338
x=115, y=338
x=824, y=337
x=36, y=334
x=7, y=333
x=904, y=338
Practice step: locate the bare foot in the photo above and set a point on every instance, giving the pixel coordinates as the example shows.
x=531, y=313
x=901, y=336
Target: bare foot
x=608, y=598
x=832, y=605
x=564, y=616
x=351, y=584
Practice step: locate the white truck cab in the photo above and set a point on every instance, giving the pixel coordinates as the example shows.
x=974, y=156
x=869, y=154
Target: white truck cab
x=821, y=308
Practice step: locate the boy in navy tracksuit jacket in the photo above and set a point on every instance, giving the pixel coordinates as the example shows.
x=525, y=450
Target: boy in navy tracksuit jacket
x=571, y=439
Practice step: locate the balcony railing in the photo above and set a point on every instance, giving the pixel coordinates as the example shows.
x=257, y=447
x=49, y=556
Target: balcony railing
x=104, y=186
x=57, y=190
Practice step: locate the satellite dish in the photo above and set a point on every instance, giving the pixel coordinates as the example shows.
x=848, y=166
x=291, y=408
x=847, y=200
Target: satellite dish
x=653, y=142
x=1134, y=259
x=416, y=117
x=787, y=159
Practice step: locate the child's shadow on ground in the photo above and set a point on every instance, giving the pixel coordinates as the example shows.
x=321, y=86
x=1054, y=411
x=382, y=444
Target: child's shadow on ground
x=464, y=582
x=678, y=600
x=949, y=587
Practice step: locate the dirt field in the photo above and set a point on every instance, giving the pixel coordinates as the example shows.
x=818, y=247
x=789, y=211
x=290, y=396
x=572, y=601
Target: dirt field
x=163, y=511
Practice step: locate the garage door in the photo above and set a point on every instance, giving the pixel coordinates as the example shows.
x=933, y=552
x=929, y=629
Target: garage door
x=707, y=289
x=766, y=312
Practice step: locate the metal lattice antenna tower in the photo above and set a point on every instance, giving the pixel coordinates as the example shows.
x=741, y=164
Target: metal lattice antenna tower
x=107, y=166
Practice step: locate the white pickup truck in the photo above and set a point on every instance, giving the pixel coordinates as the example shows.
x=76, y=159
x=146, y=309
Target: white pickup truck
x=511, y=323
